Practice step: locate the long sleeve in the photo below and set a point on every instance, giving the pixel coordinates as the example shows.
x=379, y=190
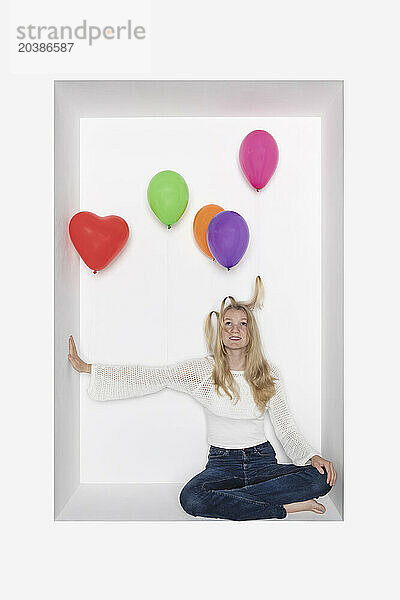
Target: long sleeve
x=295, y=445
x=117, y=382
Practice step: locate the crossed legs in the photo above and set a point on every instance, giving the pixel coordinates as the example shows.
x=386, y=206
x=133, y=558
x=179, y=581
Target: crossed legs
x=218, y=493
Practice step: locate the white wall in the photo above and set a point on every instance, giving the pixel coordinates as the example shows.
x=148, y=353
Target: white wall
x=149, y=306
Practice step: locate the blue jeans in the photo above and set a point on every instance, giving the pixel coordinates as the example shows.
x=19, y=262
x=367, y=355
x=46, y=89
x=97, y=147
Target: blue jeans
x=248, y=483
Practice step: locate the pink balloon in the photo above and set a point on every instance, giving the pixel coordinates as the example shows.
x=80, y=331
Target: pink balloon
x=258, y=156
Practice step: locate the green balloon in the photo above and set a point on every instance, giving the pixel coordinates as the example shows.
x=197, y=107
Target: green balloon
x=168, y=196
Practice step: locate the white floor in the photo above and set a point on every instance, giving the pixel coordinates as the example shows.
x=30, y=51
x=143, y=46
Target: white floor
x=149, y=502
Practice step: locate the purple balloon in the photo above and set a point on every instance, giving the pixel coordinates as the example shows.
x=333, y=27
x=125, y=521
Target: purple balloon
x=228, y=238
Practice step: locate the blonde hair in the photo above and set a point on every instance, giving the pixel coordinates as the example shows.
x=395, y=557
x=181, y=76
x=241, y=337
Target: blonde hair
x=257, y=371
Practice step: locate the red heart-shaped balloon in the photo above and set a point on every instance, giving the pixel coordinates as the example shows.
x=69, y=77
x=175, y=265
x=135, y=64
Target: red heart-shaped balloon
x=98, y=240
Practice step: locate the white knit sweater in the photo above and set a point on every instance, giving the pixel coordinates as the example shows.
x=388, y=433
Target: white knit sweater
x=194, y=377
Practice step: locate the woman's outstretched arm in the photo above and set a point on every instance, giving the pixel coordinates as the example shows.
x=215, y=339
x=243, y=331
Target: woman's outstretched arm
x=117, y=382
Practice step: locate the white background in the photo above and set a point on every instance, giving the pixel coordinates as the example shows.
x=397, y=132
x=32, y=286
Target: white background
x=150, y=306
x=290, y=39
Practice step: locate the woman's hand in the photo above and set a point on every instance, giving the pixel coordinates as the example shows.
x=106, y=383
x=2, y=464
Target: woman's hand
x=78, y=364
x=318, y=462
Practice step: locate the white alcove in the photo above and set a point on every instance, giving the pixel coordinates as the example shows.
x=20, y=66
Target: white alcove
x=128, y=460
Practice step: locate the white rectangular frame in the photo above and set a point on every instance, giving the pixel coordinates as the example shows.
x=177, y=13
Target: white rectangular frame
x=73, y=100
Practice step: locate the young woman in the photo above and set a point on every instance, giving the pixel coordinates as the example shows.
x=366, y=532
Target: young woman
x=237, y=386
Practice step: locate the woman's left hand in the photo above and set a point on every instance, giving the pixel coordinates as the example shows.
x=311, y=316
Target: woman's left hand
x=318, y=462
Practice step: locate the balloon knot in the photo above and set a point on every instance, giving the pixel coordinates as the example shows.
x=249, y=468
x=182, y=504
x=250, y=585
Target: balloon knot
x=257, y=190
x=169, y=226
x=94, y=272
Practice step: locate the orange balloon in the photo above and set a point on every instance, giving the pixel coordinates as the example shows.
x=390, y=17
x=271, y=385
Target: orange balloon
x=201, y=223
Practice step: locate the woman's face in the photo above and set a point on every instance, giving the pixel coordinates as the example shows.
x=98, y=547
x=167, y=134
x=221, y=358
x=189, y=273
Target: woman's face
x=234, y=330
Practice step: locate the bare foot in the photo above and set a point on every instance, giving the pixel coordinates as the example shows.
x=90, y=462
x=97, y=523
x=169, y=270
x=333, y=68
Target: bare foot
x=312, y=505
